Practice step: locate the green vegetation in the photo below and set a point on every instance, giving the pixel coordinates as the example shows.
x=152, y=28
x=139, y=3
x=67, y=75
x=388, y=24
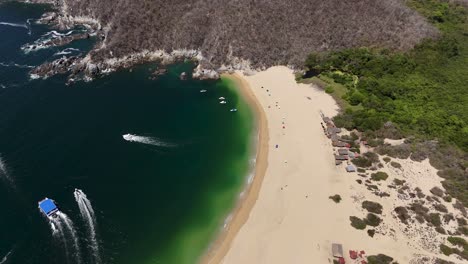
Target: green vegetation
x=437, y=191
x=434, y=218
x=398, y=182
x=372, y=220
x=357, y=222
x=446, y=250
x=395, y=164
x=387, y=159
x=379, y=259
x=336, y=198
x=456, y=241
x=372, y=207
x=379, y=176
x=421, y=93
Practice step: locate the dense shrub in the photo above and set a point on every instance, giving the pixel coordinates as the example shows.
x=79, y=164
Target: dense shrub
x=398, y=181
x=441, y=208
x=372, y=207
x=458, y=241
x=402, y=214
x=372, y=220
x=446, y=250
x=379, y=176
x=395, y=164
x=357, y=223
x=434, y=218
x=437, y=191
x=379, y=259
x=362, y=162
x=336, y=198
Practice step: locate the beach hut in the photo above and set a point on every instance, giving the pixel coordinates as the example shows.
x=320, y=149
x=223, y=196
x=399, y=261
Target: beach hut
x=351, y=155
x=350, y=168
x=343, y=151
x=326, y=119
x=341, y=157
x=340, y=144
x=337, y=250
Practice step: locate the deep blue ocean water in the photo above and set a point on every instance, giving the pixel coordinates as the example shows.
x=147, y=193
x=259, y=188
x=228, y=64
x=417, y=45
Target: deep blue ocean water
x=159, y=199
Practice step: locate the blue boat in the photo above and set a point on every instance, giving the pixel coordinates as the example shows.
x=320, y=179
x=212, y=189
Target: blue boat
x=48, y=207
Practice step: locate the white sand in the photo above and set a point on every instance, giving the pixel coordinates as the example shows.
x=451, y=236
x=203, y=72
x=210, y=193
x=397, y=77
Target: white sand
x=293, y=220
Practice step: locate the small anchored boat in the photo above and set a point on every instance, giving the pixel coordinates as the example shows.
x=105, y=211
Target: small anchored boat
x=222, y=102
x=202, y=91
x=233, y=110
x=221, y=98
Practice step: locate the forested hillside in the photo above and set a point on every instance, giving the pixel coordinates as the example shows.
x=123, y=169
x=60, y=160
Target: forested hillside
x=264, y=32
x=423, y=92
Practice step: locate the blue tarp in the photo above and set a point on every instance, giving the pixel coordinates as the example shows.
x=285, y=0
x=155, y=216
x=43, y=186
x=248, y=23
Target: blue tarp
x=47, y=206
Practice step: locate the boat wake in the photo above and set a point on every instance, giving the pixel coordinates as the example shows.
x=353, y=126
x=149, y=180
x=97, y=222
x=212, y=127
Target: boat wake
x=147, y=140
x=26, y=25
x=62, y=227
x=5, y=258
x=18, y=25
x=12, y=64
x=87, y=213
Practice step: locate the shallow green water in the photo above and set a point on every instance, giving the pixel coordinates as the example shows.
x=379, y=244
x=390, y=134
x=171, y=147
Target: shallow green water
x=161, y=202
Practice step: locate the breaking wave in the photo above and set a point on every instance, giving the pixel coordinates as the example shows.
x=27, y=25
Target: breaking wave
x=147, y=140
x=40, y=43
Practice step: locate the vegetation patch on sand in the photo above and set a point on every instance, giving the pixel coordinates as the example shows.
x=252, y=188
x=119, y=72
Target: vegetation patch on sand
x=372, y=207
x=336, y=198
x=421, y=95
x=379, y=259
x=379, y=176
x=357, y=223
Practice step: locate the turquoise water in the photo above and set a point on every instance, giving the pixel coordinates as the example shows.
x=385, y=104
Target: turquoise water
x=161, y=199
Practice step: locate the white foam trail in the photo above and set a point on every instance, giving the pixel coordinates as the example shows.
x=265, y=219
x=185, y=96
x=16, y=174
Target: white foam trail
x=4, y=170
x=40, y=43
x=147, y=140
x=28, y=24
x=5, y=258
x=87, y=213
x=58, y=232
x=68, y=224
x=66, y=51
x=12, y=64
x=14, y=25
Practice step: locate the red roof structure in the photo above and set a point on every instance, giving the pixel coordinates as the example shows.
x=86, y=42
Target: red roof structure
x=353, y=254
x=341, y=261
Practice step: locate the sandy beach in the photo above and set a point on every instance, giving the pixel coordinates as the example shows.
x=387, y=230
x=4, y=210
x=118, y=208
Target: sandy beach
x=286, y=215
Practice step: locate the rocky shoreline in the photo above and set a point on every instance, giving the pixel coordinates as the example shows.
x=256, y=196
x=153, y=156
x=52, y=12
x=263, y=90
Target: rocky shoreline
x=87, y=68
